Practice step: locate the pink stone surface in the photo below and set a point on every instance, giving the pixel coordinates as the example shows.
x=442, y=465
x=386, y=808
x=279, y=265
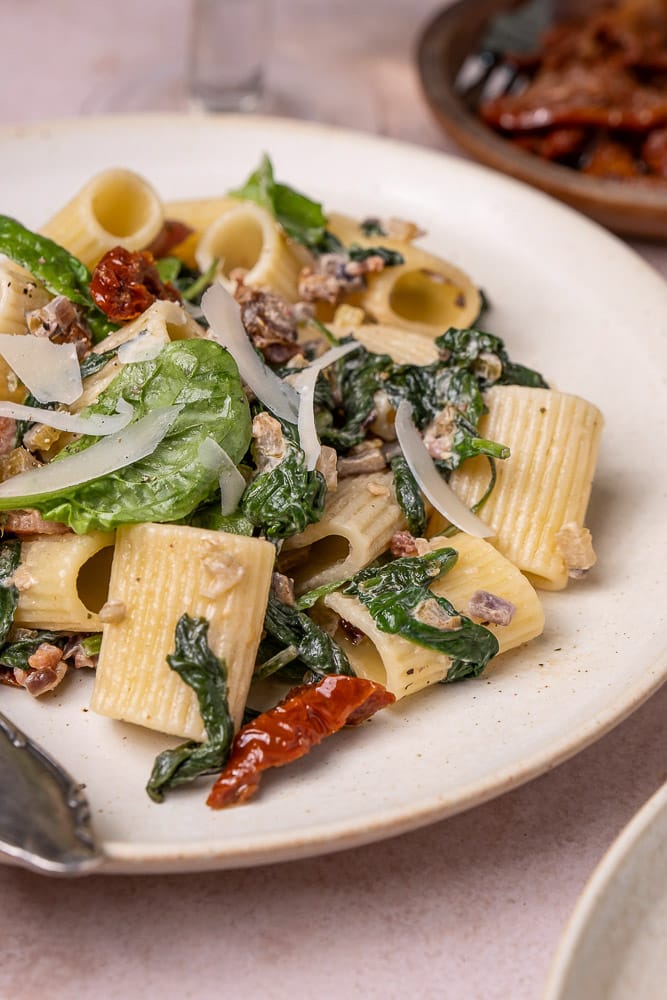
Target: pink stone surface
x=468, y=908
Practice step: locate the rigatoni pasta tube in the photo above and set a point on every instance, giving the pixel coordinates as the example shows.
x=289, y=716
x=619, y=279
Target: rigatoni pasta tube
x=425, y=293
x=405, y=667
x=162, y=322
x=61, y=583
x=246, y=237
x=404, y=347
x=116, y=207
x=546, y=483
x=359, y=519
x=159, y=573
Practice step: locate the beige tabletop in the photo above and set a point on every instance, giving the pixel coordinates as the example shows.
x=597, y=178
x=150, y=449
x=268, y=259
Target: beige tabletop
x=471, y=907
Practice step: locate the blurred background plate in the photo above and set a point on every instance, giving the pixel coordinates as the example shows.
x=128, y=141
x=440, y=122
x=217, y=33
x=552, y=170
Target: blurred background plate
x=614, y=944
x=455, y=33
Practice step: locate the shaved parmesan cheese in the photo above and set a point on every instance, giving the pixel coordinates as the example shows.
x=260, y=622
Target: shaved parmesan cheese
x=232, y=483
x=308, y=439
x=304, y=382
x=144, y=347
x=111, y=453
x=49, y=371
x=60, y=420
x=224, y=318
x=429, y=480
x=326, y=359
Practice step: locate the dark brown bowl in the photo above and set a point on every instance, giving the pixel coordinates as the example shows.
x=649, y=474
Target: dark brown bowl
x=626, y=207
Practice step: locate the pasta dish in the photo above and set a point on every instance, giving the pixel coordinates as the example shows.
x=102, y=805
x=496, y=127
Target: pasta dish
x=265, y=471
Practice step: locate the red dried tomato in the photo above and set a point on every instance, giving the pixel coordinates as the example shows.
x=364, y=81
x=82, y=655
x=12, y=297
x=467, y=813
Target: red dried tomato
x=172, y=233
x=303, y=719
x=125, y=284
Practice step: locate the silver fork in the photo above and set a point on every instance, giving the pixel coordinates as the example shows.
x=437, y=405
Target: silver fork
x=44, y=815
x=484, y=74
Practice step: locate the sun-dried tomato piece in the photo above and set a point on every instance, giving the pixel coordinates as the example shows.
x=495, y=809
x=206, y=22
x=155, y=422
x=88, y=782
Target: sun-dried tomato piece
x=125, y=284
x=172, y=233
x=303, y=719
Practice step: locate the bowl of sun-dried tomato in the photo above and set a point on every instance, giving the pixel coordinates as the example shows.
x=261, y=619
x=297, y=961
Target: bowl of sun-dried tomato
x=576, y=106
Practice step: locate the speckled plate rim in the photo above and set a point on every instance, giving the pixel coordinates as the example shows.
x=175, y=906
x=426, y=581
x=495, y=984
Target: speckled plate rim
x=625, y=851
x=142, y=855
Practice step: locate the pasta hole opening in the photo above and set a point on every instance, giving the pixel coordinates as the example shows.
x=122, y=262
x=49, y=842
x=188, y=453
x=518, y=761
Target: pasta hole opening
x=123, y=208
x=92, y=582
x=427, y=297
x=324, y=563
x=237, y=244
x=363, y=656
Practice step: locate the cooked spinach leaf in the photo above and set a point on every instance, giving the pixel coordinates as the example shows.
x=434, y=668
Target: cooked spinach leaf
x=372, y=227
x=93, y=362
x=391, y=258
x=465, y=349
x=282, y=501
x=16, y=653
x=189, y=282
x=10, y=554
x=408, y=496
x=400, y=602
x=59, y=271
x=169, y=484
x=317, y=651
x=195, y=662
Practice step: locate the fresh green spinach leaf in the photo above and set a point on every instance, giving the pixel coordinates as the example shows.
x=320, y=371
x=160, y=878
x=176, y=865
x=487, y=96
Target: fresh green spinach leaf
x=302, y=218
x=169, y=484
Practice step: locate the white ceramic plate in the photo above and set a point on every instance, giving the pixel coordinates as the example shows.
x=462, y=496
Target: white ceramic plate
x=571, y=301
x=614, y=944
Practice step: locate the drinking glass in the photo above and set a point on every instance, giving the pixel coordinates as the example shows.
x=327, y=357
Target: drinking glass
x=228, y=49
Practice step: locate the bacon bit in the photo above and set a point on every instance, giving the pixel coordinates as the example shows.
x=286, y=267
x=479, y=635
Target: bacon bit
x=429, y=612
x=125, y=284
x=7, y=677
x=47, y=673
x=30, y=522
x=18, y=460
x=351, y=632
x=327, y=464
x=270, y=323
x=287, y=732
x=369, y=460
x=269, y=447
x=172, y=233
x=75, y=653
x=61, y=322
x=283, y=587
x=403, y=544
x=491, y=608
x=7, y=435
